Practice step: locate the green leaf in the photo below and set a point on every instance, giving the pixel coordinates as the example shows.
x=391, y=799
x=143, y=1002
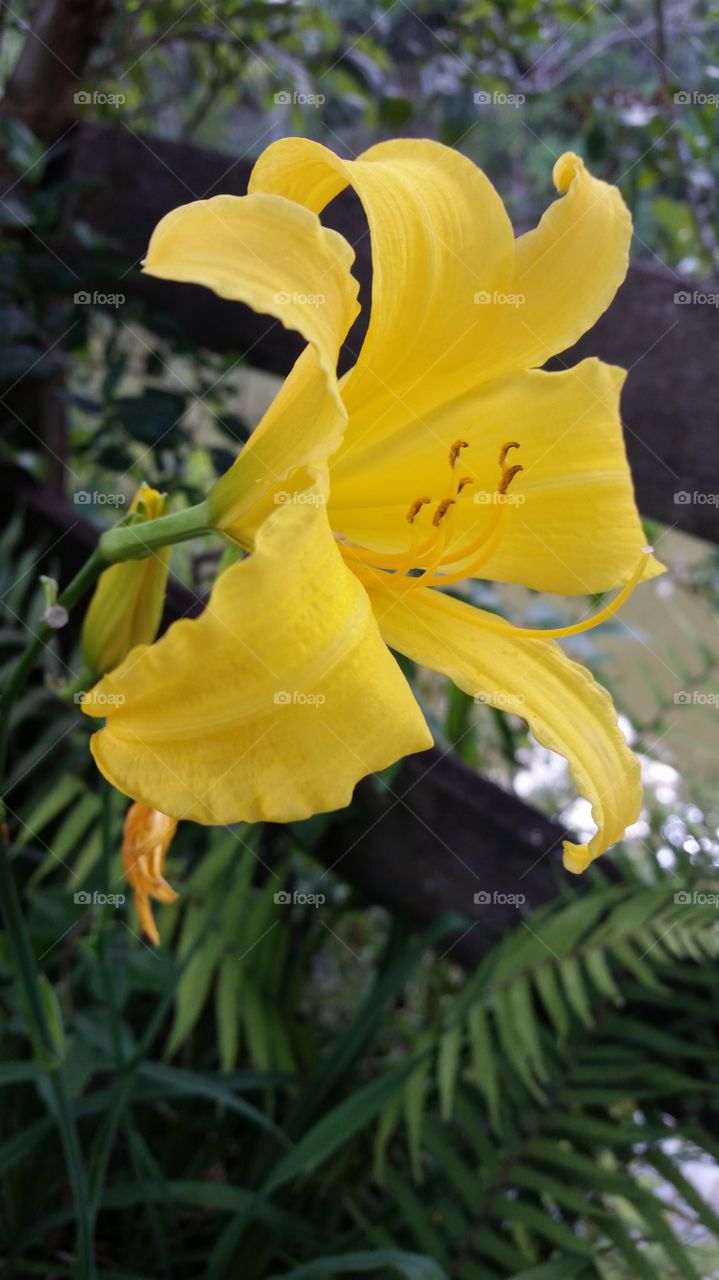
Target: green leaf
x=152, y=418
x=447, y=1068
x=336, y=1128
x=413, y=1266
x=484, y=1061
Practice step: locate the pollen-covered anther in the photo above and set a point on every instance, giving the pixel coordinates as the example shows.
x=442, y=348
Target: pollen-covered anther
x=464, y=482
x=509, y=444
x=455, y=451
x=416, y=508
x=441, y=511
x=507, y=477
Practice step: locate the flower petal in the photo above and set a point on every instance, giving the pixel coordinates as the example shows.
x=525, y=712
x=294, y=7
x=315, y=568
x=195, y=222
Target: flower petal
x=276, y=257
x=572, y=522
x=272, y=704
x=566, y=710
x=440, y=235
x=567, y=270
x=126, y=606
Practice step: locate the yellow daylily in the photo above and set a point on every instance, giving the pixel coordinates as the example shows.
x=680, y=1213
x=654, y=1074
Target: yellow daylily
x=147, y=835
x=127, y=603
x=444, y=454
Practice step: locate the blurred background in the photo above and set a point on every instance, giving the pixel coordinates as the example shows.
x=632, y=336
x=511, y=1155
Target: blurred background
x=397, y=1040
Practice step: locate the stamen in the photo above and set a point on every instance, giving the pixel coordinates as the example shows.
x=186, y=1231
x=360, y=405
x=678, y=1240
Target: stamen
x=507, y=477
x=575, y=628
x=431, y=555
x=416, y=508
x=489, y=541
x=443, y=522
x=510, y=444
x=441, y=511
x=455, y=451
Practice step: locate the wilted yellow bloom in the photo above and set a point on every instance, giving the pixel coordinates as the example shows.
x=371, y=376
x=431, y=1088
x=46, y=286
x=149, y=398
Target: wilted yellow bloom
x=126, y=607
x=147, y=835
x=445, y=454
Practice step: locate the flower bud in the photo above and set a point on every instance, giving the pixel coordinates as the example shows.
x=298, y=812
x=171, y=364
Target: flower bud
x=126, y=607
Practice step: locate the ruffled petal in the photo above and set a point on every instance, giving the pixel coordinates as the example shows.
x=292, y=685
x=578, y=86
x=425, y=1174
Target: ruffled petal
x=277, y=258
x=565, y=708
x=567, y=270
x=272, y=704
x=440, y=239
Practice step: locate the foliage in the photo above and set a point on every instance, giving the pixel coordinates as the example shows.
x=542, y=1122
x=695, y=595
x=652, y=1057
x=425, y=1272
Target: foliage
x=311, y=1090
x=307, y=1089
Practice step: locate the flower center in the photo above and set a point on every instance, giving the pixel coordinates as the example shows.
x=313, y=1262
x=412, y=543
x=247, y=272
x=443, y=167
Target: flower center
x=430, y=560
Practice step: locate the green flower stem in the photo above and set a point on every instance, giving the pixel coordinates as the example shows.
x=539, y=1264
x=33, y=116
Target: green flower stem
x=136, y=540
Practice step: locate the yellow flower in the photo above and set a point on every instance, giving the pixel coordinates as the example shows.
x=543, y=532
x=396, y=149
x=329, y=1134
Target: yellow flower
x=446, y=453
x=126, y=606
x=147, y=835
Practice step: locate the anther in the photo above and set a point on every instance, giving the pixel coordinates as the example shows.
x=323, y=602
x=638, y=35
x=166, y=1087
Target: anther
x=441, y=511
x=416, y=508
x=464, y=482
x=511, y=444
x=455, y=451
x=507, y=478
